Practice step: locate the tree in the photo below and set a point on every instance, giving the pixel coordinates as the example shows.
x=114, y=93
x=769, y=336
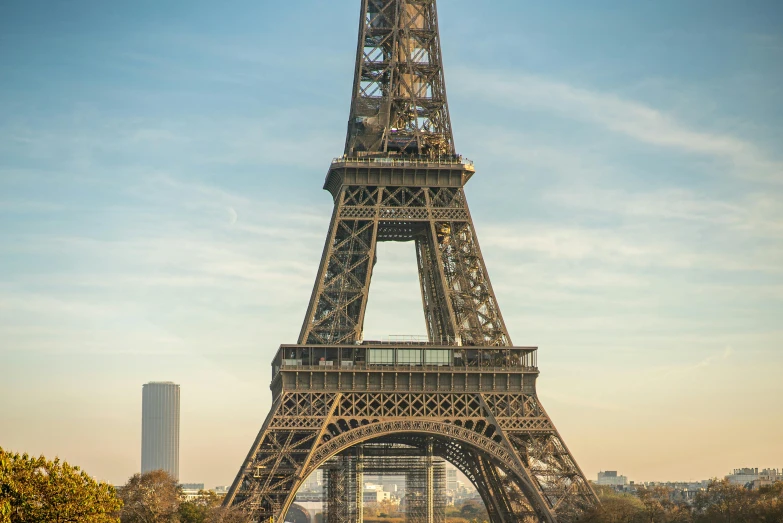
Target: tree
x=36, y=490
x=724, y=502
x=473, y=510
x=193, y=511
x=769, y=505
x=659, y=506
x=152, y=497
x=649, y=505
x=199, y=510
x=207, y=509
x=614, y=508
x=227, y=515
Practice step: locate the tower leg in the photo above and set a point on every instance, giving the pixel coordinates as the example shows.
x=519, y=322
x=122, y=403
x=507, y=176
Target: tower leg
x=499, y=500
x=339, y=299
x=277, y=463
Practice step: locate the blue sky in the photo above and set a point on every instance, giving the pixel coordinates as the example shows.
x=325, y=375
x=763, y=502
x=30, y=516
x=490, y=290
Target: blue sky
x=162, y=217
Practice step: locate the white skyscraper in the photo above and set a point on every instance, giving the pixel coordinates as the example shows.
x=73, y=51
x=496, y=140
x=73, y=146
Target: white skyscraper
x=160, y=428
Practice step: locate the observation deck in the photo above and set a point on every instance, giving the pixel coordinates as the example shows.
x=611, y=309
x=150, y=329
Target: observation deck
x=399, y=366
x=390, y=171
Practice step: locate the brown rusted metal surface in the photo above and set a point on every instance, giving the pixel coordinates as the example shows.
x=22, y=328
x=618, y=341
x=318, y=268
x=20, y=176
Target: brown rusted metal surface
x=466, y=395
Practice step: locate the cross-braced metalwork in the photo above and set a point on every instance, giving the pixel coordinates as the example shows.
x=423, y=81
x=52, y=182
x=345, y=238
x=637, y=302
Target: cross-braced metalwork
x=467, y=395
x=399, y=93
x=459, y=303
x=423, y=481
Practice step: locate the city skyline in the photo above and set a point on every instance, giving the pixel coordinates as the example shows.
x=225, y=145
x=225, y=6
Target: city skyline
x=143, y=148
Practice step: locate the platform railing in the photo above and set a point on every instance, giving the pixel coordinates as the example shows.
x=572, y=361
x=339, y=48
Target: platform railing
x=289, y=365
x=404, y=161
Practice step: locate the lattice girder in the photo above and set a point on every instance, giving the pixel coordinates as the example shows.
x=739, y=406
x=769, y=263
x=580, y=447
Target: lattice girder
x=500, y=460
x=399, y=94
x=400, y=179
x=459, y=304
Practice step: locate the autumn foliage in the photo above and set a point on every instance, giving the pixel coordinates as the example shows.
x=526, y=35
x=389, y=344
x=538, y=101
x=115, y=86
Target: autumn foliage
x=721, y=502
x=155, y=497
x=36, y=490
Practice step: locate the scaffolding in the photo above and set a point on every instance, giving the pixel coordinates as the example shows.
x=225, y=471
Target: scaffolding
x=423, y=500
x=340, y=491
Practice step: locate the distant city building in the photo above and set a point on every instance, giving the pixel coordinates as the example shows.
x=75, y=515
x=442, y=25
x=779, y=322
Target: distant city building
x=743, y=476
x=451, y=479
x=191, y=491
x=680, y=491
x=392, y=488
x=611, y=479
x=752, y=476
x=160, y=428
x=374, y=493
x=314, y=483
x=767, y=477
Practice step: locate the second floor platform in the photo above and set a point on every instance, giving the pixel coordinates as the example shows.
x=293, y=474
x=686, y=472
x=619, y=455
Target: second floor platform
x=403, y=366
x=403, y=356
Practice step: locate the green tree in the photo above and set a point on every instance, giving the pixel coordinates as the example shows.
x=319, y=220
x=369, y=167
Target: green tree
x=152, y=497
x=207, y=509
x=614, y=508
x=36, y=490
x=193, y=512
x=198, y=510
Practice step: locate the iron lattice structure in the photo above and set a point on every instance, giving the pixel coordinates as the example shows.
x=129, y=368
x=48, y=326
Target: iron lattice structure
x=399, y=92
x=467, y=393
x=424, y=479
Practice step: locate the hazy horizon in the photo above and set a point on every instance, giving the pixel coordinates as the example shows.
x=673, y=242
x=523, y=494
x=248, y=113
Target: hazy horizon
x=162, y=218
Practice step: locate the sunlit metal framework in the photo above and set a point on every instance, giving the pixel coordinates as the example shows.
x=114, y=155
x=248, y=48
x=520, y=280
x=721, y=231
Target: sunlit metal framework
x=424, y=478
x=399, y=93
x=467, y=392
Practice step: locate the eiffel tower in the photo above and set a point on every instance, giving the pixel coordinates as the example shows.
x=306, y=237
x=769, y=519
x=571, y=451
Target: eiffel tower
x=467, y=394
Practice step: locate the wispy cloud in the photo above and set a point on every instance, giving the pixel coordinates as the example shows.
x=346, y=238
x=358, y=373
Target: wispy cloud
x=754, y=215
x=627, y=117
x=629, y=247
x=708, y=361
x=177, y=266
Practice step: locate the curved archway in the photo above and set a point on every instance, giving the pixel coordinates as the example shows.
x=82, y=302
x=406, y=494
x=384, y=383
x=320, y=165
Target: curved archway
x=496, y=454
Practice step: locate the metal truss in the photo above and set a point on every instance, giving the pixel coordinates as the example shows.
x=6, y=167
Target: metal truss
x=399, y=94
x=459, y=304
x=341, y=492
x=505, y=443
x=400, y=180
x=424, y=479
